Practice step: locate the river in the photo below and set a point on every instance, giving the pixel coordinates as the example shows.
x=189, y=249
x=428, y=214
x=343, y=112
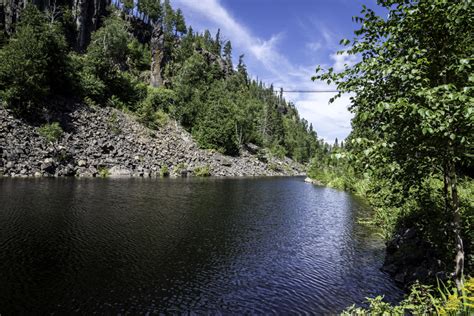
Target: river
x=231, y=246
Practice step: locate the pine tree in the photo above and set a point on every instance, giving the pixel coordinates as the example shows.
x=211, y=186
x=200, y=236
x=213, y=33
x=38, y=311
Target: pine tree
x=228, y=57
x=180, y=23
x=217, y=43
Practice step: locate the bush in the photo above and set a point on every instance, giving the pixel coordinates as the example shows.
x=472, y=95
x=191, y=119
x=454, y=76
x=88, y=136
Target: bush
x=104, y=172
x=215, y=129
x=164, y=171
x=202, y=171
x=423, y=300
x=151, y=118
x=160, y=98
x=51, y=132
x=278, y=151
x=179, y=168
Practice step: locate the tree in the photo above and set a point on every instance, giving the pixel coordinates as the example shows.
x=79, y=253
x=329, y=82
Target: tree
x=413, y=100
x=35, y=64
x=242, y=69
x=217, y=43
x=180, y=23
x=228, y=56
x=107, y=62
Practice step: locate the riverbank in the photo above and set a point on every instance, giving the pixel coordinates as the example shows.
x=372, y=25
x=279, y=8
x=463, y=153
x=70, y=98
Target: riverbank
x=108, y=142
x=408, y=258
x=416, y=245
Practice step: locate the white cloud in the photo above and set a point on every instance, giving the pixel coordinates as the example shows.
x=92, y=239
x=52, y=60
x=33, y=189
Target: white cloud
x=341, y=60
x=330, y=121
x=314, y=46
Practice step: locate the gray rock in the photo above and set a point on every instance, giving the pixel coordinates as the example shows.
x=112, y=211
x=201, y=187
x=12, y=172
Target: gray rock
x=117, y=171
x=90, y=145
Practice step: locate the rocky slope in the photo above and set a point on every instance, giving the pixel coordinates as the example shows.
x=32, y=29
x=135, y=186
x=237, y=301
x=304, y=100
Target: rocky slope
x=105, y=141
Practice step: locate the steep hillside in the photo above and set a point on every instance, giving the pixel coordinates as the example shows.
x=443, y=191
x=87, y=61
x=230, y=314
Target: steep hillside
x=108, y=142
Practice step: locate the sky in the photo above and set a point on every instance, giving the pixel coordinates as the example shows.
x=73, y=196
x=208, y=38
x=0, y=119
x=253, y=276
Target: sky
x=283, y=42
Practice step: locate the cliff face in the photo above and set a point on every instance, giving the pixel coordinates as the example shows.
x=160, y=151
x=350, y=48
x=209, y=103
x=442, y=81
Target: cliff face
x=107, y=139
x=88, y=16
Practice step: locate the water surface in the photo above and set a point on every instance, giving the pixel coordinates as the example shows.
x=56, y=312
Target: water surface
x=265, y=245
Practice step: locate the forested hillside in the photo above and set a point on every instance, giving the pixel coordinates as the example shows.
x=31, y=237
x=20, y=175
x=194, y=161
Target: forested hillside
x=141, y=57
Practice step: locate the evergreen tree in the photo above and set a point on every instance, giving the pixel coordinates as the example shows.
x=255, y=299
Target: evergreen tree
x=180, y=23
x=217, y=44
x=34, y=63
x=228, y=56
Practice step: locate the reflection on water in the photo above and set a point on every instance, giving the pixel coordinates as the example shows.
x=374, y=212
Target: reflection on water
x=262, y=245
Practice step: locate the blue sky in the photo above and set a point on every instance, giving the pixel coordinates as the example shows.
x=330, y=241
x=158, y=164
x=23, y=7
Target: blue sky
x=283, y=42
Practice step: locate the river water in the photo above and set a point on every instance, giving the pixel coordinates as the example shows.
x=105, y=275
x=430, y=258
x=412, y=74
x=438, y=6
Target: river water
x=230, y=246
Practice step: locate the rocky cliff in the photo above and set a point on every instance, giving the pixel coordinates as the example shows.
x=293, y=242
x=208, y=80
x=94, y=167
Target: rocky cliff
x=106, y=141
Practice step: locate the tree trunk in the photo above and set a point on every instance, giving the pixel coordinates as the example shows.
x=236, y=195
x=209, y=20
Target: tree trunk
x=80, y=10
x=157, y=54
x=457, y=224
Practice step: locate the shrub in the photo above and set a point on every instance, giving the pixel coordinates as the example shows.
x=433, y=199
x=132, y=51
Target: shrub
x=160, y=98
x=180, y=167
x=202, y=171
x=152, y=119
x=164, y=171
x=274, y=167
x=423, y=300
x=104, y=172
x=153, y=110
x=278, y=151
x=51, y=132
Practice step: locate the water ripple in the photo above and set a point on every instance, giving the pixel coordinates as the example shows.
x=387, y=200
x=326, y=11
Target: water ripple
x=220, y=246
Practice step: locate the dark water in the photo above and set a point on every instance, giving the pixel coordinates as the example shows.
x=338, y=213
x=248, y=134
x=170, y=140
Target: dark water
x=268, y=245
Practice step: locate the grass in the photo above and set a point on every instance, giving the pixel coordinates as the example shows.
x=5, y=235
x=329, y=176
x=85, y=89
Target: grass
x=202, y=171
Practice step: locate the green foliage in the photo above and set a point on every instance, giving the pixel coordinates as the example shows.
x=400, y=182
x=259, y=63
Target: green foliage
x=112, y=63
x=164, y=171
x=35, y=63
x=103, y=172
x=278, y=151
x=179, y=168
x=274, y=167
x=423, y=300
x=202, y=171
x=139, y=56
x=161, y=98
x=51, y=132
x=215, y=129
x=414, y=116
x=222, y=107
x=153, y=110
